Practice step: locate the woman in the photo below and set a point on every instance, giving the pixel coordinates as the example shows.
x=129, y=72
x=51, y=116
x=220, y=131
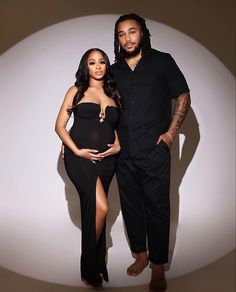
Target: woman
x=90, y=149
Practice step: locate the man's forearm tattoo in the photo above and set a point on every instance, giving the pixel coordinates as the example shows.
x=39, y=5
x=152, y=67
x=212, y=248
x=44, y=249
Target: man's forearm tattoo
x=181, y=108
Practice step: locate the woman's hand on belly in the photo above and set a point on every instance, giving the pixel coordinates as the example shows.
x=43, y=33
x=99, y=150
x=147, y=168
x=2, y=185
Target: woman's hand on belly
x=113, y=149
x=90, y=154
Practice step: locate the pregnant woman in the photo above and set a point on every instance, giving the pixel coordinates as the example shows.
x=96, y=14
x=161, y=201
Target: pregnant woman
x=90, y=149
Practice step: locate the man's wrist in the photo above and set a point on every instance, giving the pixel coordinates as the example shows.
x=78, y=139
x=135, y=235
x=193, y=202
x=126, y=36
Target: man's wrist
x=170, y=136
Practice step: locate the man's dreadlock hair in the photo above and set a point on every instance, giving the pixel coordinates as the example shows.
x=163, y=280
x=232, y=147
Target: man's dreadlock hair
x=146, y=41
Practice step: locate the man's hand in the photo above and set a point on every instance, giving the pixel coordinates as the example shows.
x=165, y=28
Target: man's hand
x=167, y=138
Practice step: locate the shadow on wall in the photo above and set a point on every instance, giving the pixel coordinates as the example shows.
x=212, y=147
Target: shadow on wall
x=180, y=163
x=179, y=166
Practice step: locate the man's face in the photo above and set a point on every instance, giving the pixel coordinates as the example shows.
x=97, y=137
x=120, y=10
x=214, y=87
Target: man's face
x=130, y=37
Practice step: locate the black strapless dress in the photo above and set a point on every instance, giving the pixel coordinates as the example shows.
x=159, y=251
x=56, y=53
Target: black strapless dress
x=89, y=132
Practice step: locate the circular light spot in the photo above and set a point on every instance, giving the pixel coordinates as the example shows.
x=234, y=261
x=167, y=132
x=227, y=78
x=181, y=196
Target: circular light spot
x=39, y=213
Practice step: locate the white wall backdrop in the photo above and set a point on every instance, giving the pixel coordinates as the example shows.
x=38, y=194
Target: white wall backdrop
x=39, y=210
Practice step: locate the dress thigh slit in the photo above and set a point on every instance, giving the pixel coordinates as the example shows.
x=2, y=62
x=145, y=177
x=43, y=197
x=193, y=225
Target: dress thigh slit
x=84, y=176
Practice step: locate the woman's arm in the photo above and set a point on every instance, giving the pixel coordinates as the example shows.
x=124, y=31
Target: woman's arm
x=113, y=148
x=117, y=142
x=62, y=120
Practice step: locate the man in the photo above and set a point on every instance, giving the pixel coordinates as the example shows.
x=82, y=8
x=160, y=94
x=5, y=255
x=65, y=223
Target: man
x=147, y=80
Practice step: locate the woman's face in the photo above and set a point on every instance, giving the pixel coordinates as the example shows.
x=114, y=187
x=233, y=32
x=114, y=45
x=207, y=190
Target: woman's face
x=96, y=65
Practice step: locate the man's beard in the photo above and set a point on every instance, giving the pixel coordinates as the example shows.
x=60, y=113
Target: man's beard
x=133, y=53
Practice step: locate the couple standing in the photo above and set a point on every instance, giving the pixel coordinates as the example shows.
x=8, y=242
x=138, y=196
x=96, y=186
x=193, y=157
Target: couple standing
x=123, y=123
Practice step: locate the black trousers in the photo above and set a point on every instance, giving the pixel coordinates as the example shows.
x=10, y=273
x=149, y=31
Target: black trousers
x=144, y=183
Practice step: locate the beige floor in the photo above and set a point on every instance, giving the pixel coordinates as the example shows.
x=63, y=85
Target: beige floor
x=216, y=277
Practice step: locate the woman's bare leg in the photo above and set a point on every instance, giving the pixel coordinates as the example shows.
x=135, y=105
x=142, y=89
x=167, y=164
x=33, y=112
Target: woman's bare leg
x=101, y=208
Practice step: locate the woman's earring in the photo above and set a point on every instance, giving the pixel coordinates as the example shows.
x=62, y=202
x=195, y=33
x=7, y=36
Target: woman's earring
x=119, y=48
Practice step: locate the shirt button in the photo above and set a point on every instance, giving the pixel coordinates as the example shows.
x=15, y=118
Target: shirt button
x=130, y=117
x=132, y=101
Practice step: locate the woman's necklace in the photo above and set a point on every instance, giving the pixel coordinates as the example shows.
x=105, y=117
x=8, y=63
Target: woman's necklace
x=102, y=115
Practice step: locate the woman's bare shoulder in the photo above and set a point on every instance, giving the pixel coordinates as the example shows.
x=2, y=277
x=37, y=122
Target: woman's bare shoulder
x=70, y=94
x=72, y=90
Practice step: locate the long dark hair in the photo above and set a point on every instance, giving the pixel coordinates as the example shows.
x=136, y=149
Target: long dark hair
x=82, y=80
x=146, y=41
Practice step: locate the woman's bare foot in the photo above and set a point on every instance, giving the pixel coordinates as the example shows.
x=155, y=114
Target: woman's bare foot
x=139, y=265
x=158, y=280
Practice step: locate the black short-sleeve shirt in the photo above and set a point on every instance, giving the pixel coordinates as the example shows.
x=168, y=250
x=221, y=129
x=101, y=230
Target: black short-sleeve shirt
x=146, y=92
